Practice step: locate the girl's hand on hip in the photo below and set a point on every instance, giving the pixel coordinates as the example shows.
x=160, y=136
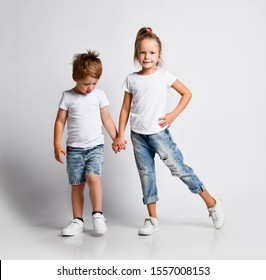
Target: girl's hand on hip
x=167, y=120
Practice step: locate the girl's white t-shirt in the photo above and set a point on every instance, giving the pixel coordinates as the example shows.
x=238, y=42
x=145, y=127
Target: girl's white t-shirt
x=149, y=94
x=84, y=122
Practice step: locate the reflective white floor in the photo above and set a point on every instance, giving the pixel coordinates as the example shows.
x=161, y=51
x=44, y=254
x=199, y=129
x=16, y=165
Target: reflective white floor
x=180, y=240
x=182, y=235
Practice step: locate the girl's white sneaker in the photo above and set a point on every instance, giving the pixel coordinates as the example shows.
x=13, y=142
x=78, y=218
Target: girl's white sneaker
x=217, y=214
x=150, y=226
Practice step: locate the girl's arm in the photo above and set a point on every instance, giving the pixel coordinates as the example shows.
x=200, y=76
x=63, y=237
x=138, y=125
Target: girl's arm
x=186, y=95
x=120, y=142
x=108, y=123
x=58, y=132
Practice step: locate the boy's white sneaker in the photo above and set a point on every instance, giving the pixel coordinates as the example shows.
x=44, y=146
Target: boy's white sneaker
x=150, y=226
x=99, y=223
x=217, y=214
x=74, y=227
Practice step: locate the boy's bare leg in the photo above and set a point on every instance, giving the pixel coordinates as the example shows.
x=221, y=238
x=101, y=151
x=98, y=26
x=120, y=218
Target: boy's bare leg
x=98, y=219
x=77, y=200
x=95, y=187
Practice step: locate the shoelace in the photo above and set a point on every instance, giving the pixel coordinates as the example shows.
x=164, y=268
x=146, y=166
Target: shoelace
x=147, y=222
x=214, y=215
x=99, y=219
x=72, y=223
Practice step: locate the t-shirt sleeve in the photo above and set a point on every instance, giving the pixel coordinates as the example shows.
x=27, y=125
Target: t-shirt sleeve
x=63, y=102
x=170, y=78
x=126, y=85
x=103, y=100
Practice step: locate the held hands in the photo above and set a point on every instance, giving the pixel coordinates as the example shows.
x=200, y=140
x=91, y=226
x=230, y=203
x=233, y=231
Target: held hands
x=58, y=151
x=119, y=144
x=167, y=120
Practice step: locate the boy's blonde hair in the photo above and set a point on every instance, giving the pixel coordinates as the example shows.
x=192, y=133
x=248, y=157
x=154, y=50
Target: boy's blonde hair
x=147, y=33
x=87, y=64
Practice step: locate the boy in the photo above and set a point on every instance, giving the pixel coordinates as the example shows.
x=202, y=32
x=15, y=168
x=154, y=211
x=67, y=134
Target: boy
x=85, y=109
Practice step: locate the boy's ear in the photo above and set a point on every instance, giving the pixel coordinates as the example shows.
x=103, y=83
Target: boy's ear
x=73, y=77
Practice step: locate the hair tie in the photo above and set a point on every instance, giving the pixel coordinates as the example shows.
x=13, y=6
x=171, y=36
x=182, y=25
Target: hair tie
x=148, y=30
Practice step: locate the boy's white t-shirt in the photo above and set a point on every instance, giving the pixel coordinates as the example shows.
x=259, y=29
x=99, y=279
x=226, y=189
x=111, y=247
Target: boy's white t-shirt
x=84, y=120
x=149, y=93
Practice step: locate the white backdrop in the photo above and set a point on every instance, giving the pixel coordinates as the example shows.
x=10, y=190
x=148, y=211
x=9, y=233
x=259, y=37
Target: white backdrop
x=216, y=48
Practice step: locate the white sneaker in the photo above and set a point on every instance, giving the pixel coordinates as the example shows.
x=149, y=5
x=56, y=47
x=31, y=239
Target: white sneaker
x=217, y=214
x=99, y=224
x=150, y=226
x=74, y=227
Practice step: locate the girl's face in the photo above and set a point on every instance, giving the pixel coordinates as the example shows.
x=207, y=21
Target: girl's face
x=149, y=54
x=86, y=85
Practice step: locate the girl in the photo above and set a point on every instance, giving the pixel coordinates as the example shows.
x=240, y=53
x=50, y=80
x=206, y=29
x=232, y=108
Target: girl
x=145, y=99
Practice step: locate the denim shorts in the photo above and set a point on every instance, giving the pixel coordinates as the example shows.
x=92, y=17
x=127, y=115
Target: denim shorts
x=82, y=162
x=145, y=148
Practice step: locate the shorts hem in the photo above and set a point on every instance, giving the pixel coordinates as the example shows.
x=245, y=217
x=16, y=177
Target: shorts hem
x=77, y=183
x=91, y=173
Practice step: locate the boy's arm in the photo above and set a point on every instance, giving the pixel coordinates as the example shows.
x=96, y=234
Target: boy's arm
x=108, y=123
x=186, y=95
x=58, y=132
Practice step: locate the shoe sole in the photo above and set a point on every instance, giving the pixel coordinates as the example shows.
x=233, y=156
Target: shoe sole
x=100, y=231
x=219, y=227
x=72, y=234
x=147, y=234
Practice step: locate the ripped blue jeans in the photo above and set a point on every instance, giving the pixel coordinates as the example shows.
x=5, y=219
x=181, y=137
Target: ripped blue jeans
x=145, y=148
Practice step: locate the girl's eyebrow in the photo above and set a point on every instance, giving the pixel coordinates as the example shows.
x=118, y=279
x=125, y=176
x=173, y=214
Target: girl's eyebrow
x=147, y=51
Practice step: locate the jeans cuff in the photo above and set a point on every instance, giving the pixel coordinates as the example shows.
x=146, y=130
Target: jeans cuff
x=199, y=190
x=150, y=199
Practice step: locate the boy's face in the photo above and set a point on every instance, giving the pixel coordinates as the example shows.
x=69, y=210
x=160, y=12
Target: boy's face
x=86, y=85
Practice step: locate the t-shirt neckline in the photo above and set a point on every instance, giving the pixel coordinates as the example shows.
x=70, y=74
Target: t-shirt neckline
x=147, y=75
